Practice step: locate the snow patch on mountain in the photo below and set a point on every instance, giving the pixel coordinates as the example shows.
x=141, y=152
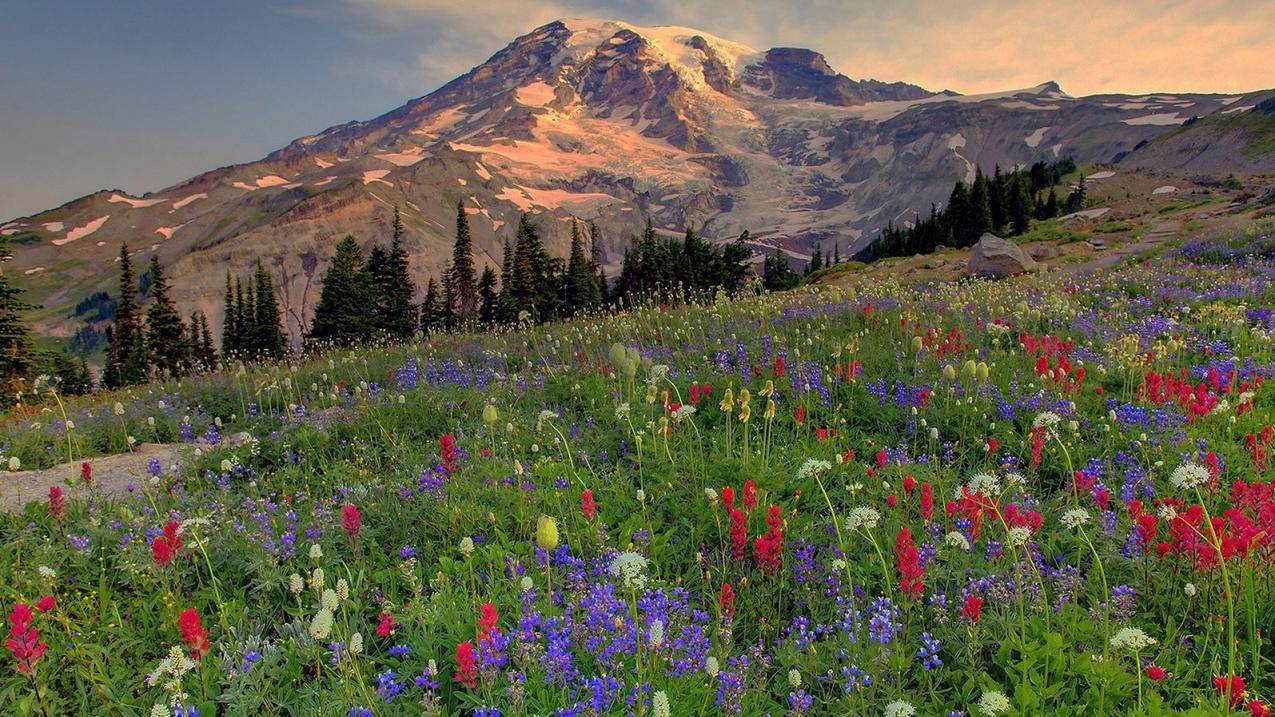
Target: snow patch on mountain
x=81, y=232
x=1033, y=139
x=1162, y=118
x=187, y=200
x=135, y=203
x=376, y=175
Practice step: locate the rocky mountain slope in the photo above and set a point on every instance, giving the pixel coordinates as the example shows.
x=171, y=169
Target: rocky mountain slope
x=594, y=119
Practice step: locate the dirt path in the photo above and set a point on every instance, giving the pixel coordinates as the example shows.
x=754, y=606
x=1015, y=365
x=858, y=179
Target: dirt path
x=111, y=474
x=1118, y=253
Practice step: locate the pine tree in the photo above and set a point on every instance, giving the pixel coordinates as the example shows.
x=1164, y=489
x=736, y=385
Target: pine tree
x=523, y=285
x=505, y=312
x=165, y=331
x=487, y=297
x=15, y=337
x=579, y=285
x=394, y=289
x=1051, y=205
x=997, y=196
x=229, y=321
x=447, y=303
x=126, y=351
x=1018, y=205
x=341, y=318
x=207, y=351
x=1076, y=200
x=595, y=256
x=242, y=319
x=267, y=324
x=431, y=314
x=979, y=220
x=464, y=287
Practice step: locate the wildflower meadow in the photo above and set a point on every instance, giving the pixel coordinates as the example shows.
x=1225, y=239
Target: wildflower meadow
x=1049, y=495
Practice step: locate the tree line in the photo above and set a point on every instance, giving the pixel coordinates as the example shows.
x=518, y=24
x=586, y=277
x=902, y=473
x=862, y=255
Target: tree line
x=1003, y=204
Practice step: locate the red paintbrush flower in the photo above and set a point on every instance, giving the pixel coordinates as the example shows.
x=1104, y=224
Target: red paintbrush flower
x=86, y=473
x=587, y=507
x=750, y=494
x=466, y=674
x=972, y=610
x=45, y=603
x=57, y=506
x=194, y=636
x=908, y=561
x=726, y=601
x=1234, y=687
x=738, y=534
x=1156, y=673
x=24, y=642
x=486, y=621
x=351, y=520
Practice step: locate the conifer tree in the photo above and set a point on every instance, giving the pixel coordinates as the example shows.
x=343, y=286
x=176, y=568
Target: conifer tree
x=229, y=320
x=595, y=256
x=464, y=286
x=431, y=313
x=523, y=285
x=15, y=337
x=165, y=332
x=487, y=297
x=579, y=285
x=267, y=325
x=979, y=220
x=207, y=351
x=505, y=302
x=394, y=288
x=1018, y=204
x=242, y=318
x=341, y=317
x=126, y=349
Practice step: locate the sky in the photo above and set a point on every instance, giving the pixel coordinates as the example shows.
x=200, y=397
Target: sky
x=140, y=94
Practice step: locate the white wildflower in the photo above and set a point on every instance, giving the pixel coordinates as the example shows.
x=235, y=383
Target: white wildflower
x=1075, y=518
x=630, y=569
x=1018, y=536
x=296, y=584
x=329, y=600
x=622, y=410
x=862, y=518
x=1189, y=476
x=1189, y=590
x=684, y=411
x=1047, y=420
x=356, y=644
x=1131, y=639
x=712, y=667
x=659, y=704
x=467, y=546
x=985, y=484
x=957, y=539
x=321, y=625
x=899, y=708
x=316, y=553
x=794, y=679
x=993, y=703
x=812, y=468
x=657, y=633
x=47, y=573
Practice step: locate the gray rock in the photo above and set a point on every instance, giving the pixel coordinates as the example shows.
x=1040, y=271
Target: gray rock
x=994, y=257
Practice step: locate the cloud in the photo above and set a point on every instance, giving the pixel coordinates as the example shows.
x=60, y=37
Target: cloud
x=1089, y=46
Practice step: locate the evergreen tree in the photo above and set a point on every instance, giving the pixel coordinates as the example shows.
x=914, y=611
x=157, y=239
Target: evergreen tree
x=579, y=285
x=1018, y=204
x=15, y=337
x=997, y=196
x=464, y=286
x=242, y=318
x=447, y=303
x=1051, y=205
x=431, y=309
x=836, y=253
x=777, y=275
x=341, y=318
x=505, y=313
x=207, y=351
x=980, y=211
x=394, y=288
x=229, y=321
x=487, y=297
x=523, y=286
x=595, y=256
x=267, y=325
x=1076, y=200
x=165, y=332
x=126, y=350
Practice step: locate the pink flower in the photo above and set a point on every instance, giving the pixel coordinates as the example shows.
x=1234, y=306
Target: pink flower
x=45, y=603
x=23, y=643
x=351, y=520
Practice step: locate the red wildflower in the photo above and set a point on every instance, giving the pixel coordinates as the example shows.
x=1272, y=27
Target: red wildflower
x=56, y=505
x=799, y=415
x=386, y=626
x=907, y=560
x=587, y=506
x=1234, y=687
x=486, y=621
x=194, y=636
x=45, y=603
x=973, y=609
x=172, y=535
x=447, y=451
x=1155, y=673
x=23, y=643
x=728, y=498
x=161, y=551
x=750, y=494
x=86, y=473
x=351, y=520
x=779, y=367
x=768, y=548
x=738, y=534
x=927, y=502
x=694, y=394
x=909, y=484
x=466, y=674
x=726, y=601
x=1258, y=708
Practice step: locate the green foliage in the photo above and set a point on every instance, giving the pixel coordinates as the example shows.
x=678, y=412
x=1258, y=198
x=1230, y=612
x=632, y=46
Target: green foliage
x=341, y=317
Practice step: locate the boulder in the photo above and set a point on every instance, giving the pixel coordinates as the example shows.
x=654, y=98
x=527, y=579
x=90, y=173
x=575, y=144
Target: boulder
x=1041, y=251
x=994, y=257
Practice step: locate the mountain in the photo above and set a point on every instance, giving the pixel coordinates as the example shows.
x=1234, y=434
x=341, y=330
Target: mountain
x=1238, y=139
x=596, y=119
